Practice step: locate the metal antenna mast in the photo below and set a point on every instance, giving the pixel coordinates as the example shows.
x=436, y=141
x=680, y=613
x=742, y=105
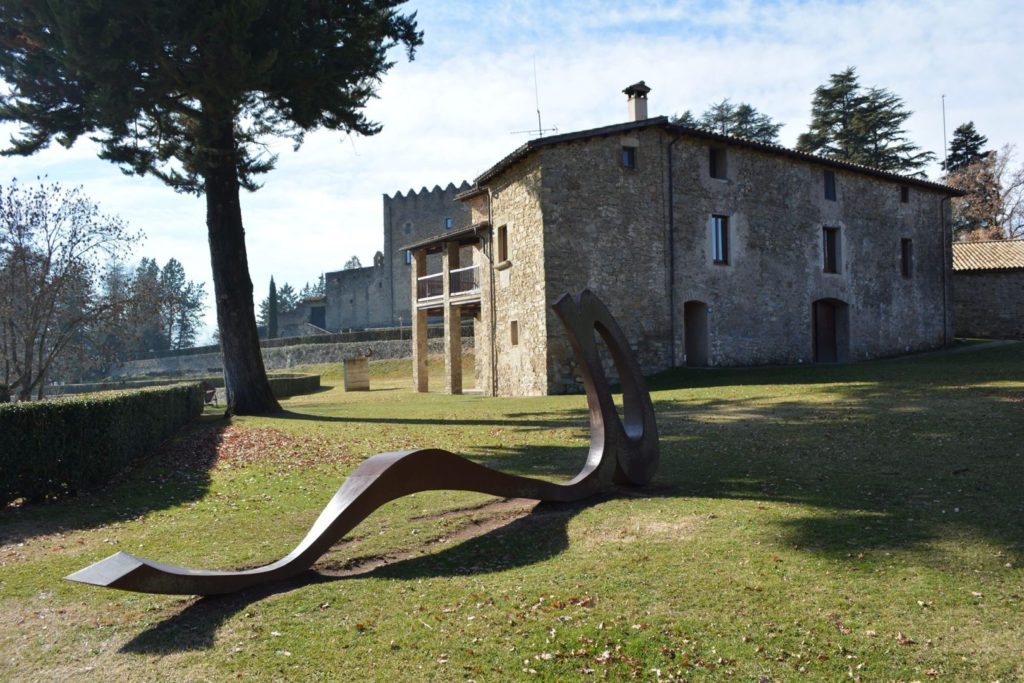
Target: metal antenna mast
x=536, y=98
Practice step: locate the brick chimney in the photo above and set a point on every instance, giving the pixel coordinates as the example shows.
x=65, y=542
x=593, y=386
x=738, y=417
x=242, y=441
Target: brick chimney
x=636, y=95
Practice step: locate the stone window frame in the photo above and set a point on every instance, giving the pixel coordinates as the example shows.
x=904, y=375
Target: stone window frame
x=629, y=156
x=720, y=255
x=907, y=257
x=831, y=249
x=718, y=163
x=831, y=186
x=501, y=247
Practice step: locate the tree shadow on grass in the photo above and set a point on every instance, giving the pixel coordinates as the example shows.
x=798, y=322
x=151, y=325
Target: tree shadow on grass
x=175, y=472
x=553, y=420
x=540, y=535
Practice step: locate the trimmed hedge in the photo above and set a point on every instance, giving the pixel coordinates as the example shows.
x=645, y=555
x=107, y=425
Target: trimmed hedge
x=282, y=384
x=56, y=448
x=292, y=385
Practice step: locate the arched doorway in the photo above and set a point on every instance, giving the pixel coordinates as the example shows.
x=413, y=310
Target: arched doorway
x=695, y=333
x=831, y=331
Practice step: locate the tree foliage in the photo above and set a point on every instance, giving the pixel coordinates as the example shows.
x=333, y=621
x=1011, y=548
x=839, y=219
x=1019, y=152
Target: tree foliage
x=352, y=263
x=190, y=92
x=861, y=126
x=739, y=120
x=993, y=207
x=287, y=301
x=53, y=245
x=965, y=148
x=271, y=321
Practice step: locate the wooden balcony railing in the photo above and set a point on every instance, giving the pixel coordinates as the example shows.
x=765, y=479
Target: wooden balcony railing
x=464, y=280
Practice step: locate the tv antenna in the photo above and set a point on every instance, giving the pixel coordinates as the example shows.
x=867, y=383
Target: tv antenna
x=536, y=98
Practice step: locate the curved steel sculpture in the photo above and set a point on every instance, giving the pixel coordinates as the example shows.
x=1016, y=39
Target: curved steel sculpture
x=621, y=451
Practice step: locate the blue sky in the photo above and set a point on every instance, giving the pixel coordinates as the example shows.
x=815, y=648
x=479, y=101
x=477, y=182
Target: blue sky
x=451, y=113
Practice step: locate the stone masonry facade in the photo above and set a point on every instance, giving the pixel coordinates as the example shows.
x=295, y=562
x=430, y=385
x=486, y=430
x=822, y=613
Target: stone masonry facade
x=708, y=250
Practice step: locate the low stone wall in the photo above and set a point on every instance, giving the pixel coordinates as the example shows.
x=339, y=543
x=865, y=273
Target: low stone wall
x=989, y=304
x=277, y=358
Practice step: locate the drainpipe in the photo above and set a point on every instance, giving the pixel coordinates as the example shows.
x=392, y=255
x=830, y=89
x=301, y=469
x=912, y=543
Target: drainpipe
x=945, y=291
x=494, y=318
x=672, y=257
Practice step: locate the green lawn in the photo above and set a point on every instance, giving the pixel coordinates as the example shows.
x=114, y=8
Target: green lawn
x=817, y=523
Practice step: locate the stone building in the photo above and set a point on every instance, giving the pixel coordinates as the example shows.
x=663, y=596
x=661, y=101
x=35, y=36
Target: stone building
x=378, y=295
x=988, y=289
x=710, y=250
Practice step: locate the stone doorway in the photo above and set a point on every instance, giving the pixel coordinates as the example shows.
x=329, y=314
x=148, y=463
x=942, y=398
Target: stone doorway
x=830, y=331
x=695, y=333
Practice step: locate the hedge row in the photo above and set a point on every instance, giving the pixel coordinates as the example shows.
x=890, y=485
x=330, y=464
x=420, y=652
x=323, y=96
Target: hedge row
x=292, y=385
x=55, y=448
x=309, y=384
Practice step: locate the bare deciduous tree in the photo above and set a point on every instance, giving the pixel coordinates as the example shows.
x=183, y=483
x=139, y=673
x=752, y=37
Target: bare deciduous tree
x=994, y=205
x=53, y=244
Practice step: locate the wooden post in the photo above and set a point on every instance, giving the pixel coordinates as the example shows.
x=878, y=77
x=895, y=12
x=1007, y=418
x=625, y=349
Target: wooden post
x=419, y=326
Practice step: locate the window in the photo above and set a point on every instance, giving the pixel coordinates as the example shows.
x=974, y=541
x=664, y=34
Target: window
x=503, y=243
x=629, y=157
x=906, y=257
x=717, y=163
x=904, y=194
x=449, y=222
x=830, y=244
x=408, y=257
x=720, y=240
x=407, y=228
x=830, y=185
x=513, y=329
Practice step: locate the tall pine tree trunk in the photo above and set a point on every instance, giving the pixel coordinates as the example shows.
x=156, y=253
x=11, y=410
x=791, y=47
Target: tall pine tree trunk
x=245, y=377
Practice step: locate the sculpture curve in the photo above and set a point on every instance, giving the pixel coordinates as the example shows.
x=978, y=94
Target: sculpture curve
x=621, y=451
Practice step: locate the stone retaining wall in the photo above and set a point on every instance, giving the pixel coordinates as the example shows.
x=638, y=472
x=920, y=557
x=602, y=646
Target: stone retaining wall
x=278, y=358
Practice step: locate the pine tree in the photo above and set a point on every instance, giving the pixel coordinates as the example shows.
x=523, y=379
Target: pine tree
x=191, y=92
x=272, y=310
x=739, y=120
x=965, y=148
x=861, y=126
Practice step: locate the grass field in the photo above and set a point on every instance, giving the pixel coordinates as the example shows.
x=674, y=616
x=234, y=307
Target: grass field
x=813, y=523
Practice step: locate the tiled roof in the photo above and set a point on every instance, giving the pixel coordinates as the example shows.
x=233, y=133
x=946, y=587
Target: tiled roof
x=700, y=133
x=990, y=255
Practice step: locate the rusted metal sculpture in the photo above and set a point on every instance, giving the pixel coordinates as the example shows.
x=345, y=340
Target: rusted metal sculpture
x=621, y=451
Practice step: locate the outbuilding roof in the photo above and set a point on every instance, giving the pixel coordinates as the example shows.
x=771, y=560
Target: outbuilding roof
x=988, y=255
x=699, y=133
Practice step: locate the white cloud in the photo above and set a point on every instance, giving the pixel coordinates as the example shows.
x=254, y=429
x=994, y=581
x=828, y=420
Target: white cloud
x=451, y=113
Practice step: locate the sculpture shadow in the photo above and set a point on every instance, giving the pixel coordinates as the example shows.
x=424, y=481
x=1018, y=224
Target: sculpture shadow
x=176, y=472
x=534, y=538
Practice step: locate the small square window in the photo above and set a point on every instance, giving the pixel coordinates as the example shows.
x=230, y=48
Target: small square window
x=629, y=157
x=906, y=257
x=720, y=240
x=904, y=194
x=717, y=163
x=502, y=243
x=830, y=185
x=513, y=329
x=830, y=247
x=449, y=222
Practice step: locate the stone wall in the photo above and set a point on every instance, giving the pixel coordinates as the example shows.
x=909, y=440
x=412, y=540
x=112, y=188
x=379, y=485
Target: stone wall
x=989, y=304
x=357, y=298
x=278, y=358
x=605, y=230
x=519, y=362
x=760, y=304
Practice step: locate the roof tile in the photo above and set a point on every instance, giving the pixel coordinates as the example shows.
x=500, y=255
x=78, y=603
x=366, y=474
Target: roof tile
x=988, y=255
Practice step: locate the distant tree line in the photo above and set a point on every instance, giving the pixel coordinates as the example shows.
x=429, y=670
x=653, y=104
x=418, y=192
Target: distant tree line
x=68, y=309
x=285, y=299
